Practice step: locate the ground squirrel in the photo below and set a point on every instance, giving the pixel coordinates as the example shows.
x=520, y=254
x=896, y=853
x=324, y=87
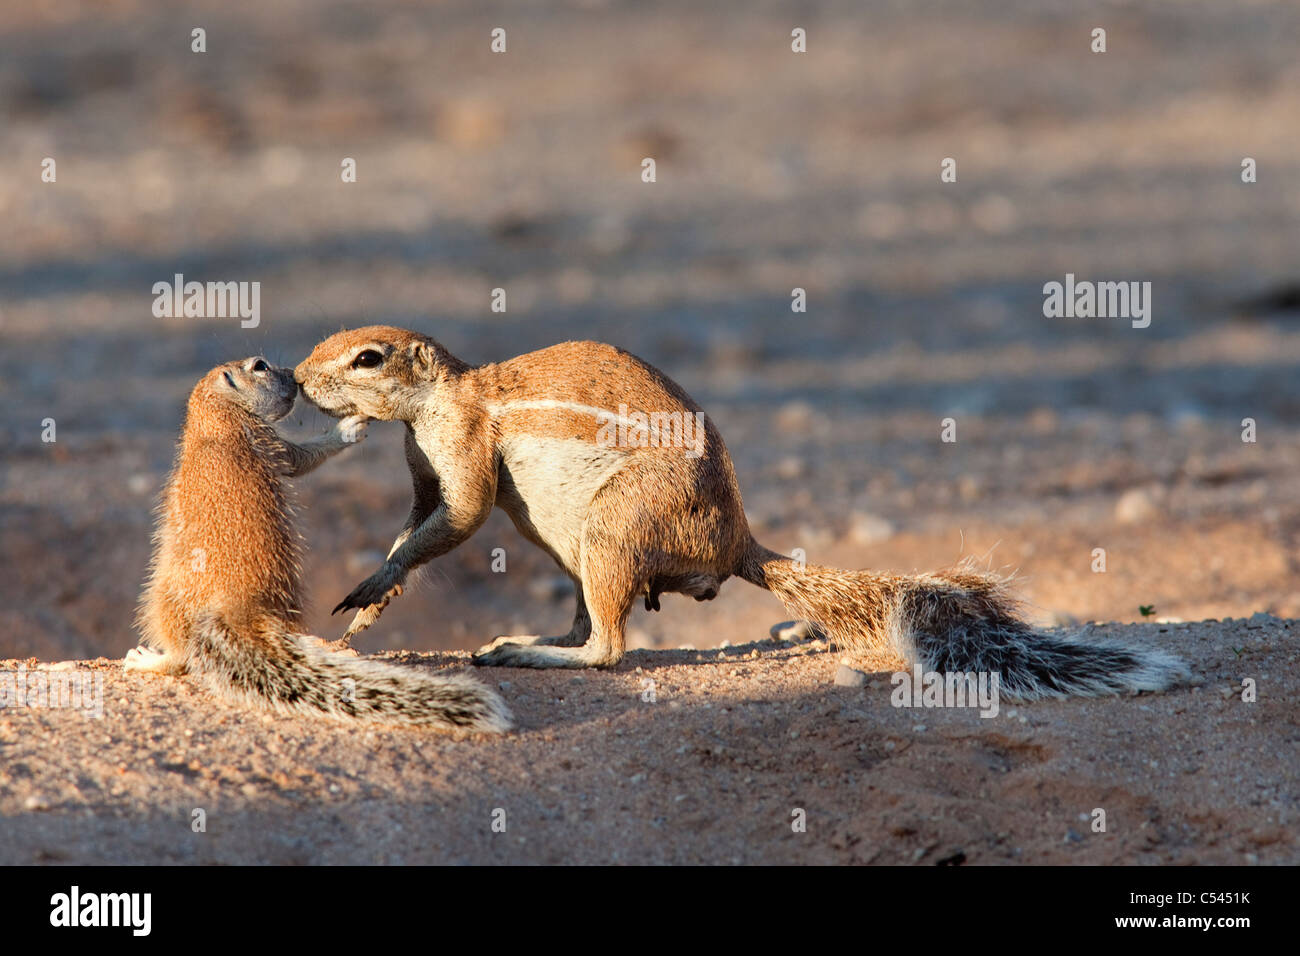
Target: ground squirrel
x=609, y=466
x=224, y=599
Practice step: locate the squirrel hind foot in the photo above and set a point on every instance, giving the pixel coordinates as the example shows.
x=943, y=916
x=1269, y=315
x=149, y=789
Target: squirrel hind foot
x=531, y=640
x=506, y=654
x=145, y=660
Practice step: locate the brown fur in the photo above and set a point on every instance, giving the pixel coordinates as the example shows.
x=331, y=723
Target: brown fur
x=224, y=596
x=225, y=539
x=632, y=522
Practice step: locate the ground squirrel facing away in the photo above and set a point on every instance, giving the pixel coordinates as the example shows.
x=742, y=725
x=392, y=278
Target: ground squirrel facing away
x=570, y=442
x=224, y=598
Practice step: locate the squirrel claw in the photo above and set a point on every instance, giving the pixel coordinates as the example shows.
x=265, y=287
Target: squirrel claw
x=342, y=646
x=372, y=591
x=367, y=614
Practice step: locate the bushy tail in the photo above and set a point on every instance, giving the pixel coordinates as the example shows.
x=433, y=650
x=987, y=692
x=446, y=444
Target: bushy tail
x=961, y=620
x=291, y=673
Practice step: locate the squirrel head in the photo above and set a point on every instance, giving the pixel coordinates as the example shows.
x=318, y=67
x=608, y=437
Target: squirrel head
x=252, y=384
x=377, y=371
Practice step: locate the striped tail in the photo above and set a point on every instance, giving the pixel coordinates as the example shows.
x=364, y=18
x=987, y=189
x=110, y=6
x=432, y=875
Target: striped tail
x=956, y=621
x=290, y=673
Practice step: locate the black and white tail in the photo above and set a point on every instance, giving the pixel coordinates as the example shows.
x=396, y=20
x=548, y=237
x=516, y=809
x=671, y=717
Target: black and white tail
x=291, y=673
x=956, y=621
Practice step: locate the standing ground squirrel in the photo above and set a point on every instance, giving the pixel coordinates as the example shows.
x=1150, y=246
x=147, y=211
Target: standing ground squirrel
x=224, y=598
x=607, y=465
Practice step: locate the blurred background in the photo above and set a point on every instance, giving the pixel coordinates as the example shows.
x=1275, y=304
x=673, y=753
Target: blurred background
x=775, y=170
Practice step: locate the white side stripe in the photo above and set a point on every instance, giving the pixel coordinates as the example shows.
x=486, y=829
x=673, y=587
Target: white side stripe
x=552, y=404
x=624, y=429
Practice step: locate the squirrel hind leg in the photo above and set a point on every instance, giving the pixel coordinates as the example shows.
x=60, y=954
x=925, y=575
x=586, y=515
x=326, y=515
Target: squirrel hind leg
x=615, y=571
x=611, y=582
x=577, y=636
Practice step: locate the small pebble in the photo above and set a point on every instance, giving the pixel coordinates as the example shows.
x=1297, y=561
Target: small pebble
x=870, y=529
x=848, y=677
x=791, y=468
x=1134, y=506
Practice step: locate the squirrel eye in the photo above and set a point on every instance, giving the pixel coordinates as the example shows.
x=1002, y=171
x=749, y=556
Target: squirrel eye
x=260, y=366
x=367, y=359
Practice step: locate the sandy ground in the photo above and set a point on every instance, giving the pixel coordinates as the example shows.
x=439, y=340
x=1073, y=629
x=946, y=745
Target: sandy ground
x=713, y=769
x=775, y=170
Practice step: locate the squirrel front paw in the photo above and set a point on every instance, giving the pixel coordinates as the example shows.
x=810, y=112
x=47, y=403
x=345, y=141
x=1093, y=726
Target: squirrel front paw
x=352, y=429
x=377, y=589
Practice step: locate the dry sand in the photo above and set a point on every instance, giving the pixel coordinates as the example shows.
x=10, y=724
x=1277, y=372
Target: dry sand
x=681, y=757
x=925, y=301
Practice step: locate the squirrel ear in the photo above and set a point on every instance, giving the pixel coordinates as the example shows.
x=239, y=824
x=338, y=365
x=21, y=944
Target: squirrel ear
x=421, y=356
